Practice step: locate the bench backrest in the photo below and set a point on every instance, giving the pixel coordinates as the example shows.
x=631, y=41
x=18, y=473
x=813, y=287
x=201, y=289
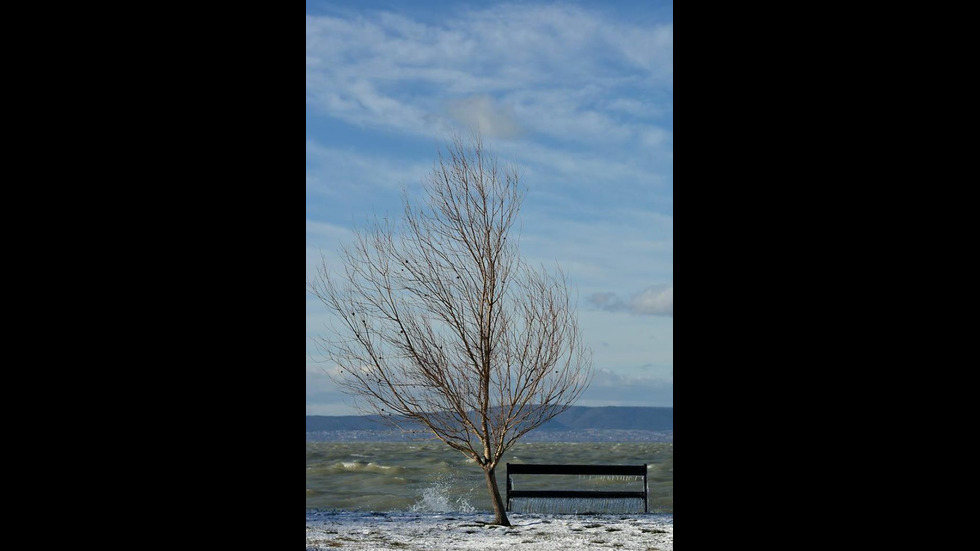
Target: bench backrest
x=607, y=470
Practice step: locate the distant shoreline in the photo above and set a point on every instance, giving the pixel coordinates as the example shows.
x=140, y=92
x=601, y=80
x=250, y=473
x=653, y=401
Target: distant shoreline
x=574, y=419
x=582, y=435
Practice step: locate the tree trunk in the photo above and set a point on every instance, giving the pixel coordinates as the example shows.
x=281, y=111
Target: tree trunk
x=499, y=511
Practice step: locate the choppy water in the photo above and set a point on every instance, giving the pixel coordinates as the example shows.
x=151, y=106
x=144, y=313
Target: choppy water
x=431, y=477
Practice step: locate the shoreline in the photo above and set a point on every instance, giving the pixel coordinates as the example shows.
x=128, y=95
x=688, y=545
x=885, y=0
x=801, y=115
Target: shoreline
x=408, y=531
x=611, y=436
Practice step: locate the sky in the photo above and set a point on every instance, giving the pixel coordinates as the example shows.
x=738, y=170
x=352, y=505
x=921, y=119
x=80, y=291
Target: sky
x=578, y=95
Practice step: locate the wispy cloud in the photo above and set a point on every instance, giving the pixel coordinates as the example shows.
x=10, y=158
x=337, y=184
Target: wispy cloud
x=482, y=112
x=332, y=171
x=322, y=397
x=554, y=64
x=574, y=95
x=612, y=388
x=656, y=300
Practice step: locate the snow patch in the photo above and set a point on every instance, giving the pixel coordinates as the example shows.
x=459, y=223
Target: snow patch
x=460, y=531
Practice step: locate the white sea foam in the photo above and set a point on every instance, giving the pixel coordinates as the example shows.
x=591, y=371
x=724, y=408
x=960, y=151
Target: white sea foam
x=438, y=498
x=360, y=466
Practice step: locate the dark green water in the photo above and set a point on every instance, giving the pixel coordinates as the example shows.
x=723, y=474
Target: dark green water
x=429, y=476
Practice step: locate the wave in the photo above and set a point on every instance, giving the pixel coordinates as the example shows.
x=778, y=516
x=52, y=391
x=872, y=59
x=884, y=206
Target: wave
x=362, y=467
x=438, y=498
x=371, y=476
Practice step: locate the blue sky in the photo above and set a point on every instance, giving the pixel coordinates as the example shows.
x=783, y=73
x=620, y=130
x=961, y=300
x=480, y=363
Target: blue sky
x=579, y=95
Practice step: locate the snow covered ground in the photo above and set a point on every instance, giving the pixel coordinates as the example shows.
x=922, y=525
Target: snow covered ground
x=460, y=531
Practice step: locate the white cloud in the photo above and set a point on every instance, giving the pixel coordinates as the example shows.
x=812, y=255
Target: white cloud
x=386, y=70
x=323, y=397
x=649, y=48
x=599, y=246
x=654, y=300
x=610, y=387
x=492, y=119
x=567, y=74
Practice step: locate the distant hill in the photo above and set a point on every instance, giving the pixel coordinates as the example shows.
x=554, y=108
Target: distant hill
x=574, y=419
x=316, y=423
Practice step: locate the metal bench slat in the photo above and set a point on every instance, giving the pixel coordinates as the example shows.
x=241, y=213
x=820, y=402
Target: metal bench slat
x=525, y=468
x=573, y=493
x=552, y=469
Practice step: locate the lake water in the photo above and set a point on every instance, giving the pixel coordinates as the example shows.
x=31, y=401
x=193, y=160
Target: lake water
x=431, y=477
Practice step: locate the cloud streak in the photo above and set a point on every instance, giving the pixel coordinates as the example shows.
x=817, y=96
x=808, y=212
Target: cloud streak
x=553, y=64
x=611, y=388
x=657, y=300
x=485, y=114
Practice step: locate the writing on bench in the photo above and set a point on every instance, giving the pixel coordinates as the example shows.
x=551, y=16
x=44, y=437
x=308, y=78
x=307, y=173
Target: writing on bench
x=580, y=470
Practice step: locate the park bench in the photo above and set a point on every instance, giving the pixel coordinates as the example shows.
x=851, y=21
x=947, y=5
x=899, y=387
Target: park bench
x=586, y=470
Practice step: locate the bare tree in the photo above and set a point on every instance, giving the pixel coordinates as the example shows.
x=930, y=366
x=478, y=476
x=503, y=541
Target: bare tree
x=442, y=324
